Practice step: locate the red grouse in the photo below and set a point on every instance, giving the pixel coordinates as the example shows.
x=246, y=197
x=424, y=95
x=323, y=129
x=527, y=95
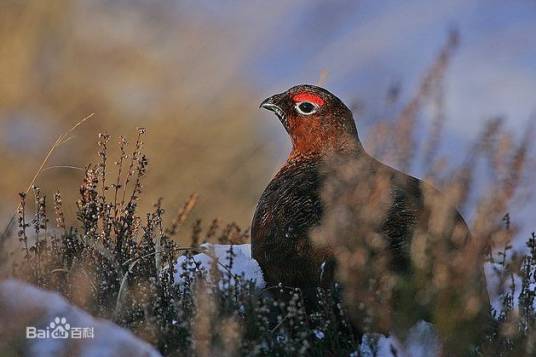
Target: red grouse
x=320, y=127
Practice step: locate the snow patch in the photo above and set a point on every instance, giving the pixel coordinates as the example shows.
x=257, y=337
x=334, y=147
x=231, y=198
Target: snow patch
x=243, y=266
x=422, y=341
x=23, y=305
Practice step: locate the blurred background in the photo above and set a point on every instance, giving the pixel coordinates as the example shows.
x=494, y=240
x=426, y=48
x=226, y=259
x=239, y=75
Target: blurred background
x=194, y=72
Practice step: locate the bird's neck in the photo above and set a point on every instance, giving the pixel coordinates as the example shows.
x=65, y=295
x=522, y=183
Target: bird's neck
x=321, y=146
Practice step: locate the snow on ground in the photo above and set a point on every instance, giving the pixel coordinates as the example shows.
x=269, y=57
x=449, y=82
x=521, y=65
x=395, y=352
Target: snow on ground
x=422, y=341
x=28, y=310
x=493, y=281
x=243, y=264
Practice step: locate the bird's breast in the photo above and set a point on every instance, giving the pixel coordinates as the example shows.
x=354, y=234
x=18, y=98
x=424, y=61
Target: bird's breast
x=288, y=209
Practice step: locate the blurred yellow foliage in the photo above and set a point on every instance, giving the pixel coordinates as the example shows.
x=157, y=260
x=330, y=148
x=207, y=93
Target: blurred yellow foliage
x=133, y=65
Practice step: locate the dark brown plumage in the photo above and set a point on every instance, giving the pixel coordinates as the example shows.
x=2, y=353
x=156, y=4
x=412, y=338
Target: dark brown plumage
x=291, y=204
x=321, y=127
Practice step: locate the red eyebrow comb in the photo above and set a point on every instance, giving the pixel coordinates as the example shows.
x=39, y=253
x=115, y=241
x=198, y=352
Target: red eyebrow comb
x=308, y=97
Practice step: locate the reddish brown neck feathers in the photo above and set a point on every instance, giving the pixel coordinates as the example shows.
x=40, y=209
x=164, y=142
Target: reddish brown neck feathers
x=316, y=137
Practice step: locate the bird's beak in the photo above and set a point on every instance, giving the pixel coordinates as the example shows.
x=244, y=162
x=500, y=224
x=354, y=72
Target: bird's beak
x=271, y=104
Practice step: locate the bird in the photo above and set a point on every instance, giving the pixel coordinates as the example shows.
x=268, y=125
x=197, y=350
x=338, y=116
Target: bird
x=321, y=128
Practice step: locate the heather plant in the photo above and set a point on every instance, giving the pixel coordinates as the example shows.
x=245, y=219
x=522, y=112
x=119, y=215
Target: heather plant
x=120, y=265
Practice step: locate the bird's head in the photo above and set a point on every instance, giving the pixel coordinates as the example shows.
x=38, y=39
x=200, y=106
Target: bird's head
x=317, y=121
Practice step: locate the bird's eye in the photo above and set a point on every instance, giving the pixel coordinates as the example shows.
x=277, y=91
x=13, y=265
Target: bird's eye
x=306, y=108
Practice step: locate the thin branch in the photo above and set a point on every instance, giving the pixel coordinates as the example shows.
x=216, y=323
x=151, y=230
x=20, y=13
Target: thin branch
x=63, y=167
x=63, y=138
